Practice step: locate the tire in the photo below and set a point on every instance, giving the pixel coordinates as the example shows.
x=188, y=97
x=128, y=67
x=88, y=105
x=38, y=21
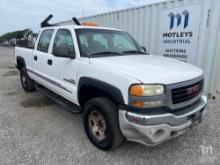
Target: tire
x=27, y=83
x=109, y=112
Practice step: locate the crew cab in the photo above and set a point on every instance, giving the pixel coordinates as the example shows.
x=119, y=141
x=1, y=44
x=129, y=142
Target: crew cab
x=123, y=92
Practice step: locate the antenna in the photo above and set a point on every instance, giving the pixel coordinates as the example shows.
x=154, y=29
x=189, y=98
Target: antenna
x=83, y=11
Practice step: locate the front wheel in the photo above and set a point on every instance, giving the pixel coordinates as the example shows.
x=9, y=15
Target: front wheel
x=101, y=123
x=26, y=82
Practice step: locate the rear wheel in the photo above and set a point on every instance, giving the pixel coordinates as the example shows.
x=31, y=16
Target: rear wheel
x=101, y=123
x=26, y=82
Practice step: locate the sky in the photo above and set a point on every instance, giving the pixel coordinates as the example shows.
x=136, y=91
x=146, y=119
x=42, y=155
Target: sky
x=21, y=14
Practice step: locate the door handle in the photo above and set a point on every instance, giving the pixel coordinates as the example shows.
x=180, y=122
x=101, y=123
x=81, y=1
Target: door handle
x=49, y=62
x=35, y=58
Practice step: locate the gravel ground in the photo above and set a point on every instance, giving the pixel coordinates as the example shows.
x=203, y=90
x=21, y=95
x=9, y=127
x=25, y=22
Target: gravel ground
x=34, y=130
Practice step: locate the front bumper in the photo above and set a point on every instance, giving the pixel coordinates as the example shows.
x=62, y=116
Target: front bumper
x=152, y=130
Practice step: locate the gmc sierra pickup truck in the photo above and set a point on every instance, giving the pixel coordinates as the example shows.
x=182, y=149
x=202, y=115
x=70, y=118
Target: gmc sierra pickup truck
x=123, y=92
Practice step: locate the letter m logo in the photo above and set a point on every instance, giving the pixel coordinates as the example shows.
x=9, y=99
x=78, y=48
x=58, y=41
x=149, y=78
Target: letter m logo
x=176, y=19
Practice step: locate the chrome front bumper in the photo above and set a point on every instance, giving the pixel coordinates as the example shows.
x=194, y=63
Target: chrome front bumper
x=152, y=130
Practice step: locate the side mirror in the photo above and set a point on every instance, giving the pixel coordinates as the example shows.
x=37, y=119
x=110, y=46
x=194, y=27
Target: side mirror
x=144, y=49
x=63, y=51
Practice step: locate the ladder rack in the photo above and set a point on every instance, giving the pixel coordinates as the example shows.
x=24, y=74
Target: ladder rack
x=45, y=23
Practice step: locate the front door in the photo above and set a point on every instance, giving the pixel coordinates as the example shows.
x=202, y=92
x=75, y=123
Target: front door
x=63, y=69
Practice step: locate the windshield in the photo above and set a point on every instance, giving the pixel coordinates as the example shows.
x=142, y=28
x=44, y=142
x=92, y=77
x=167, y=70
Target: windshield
x=101, y=42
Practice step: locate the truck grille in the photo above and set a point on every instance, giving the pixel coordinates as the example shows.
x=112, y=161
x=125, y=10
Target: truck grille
x=186, y=93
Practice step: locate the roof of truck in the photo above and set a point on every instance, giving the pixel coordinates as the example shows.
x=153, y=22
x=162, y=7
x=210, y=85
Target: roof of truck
x=79, y=27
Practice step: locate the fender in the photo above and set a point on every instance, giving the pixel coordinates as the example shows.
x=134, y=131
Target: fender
x=112, y=91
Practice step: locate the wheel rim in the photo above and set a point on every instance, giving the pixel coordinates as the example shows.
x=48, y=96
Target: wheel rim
x=97, y=125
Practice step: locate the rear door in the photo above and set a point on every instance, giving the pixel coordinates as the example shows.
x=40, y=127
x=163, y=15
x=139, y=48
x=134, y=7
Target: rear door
x=40, y=56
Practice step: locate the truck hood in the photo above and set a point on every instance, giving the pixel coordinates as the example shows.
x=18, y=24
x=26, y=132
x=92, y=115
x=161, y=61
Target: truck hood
x=149, y=68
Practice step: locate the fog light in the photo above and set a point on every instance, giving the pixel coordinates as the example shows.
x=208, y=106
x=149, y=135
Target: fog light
x=159, y=133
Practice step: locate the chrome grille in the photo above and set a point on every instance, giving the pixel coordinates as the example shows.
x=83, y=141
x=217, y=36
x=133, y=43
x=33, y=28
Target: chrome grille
x=186, y=93
x=176, y=94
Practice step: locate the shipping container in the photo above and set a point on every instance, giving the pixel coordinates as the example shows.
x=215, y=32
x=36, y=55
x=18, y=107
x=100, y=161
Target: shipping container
x=188, y=30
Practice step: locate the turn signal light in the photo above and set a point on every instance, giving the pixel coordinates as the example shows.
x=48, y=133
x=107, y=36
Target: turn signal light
x=147, y=104
x=138, y=104
x=136, y=90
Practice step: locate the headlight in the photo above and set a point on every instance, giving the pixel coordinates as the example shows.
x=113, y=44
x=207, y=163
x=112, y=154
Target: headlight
x=146, y=90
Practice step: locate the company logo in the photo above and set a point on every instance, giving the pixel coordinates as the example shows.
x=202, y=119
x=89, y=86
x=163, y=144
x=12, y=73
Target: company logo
x=178, y=18
x=192, y=90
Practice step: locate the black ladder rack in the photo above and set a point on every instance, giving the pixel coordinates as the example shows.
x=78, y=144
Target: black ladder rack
x=45, y=23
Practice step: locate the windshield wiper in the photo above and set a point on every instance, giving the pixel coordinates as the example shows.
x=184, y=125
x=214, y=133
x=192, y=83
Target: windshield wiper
x=134, y=51
x=105, y=53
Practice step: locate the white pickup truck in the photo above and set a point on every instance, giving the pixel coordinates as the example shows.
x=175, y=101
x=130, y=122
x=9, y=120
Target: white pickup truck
x=122, y=92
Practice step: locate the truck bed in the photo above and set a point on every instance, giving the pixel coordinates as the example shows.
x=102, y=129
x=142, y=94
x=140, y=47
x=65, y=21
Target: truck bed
x=25, y=53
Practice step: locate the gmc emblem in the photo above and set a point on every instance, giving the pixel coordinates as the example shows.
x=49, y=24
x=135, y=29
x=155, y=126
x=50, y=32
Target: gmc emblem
x=192, y=90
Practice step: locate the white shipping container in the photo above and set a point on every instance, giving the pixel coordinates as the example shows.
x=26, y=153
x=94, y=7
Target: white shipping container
x=188, y=30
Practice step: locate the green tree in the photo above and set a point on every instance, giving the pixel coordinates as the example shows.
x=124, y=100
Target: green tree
x=16, y=34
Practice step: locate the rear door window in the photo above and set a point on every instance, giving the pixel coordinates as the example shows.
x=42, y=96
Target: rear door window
x=44, y=40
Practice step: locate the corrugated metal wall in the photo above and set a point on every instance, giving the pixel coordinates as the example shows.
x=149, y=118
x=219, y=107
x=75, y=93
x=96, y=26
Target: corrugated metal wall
x=143, y=24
